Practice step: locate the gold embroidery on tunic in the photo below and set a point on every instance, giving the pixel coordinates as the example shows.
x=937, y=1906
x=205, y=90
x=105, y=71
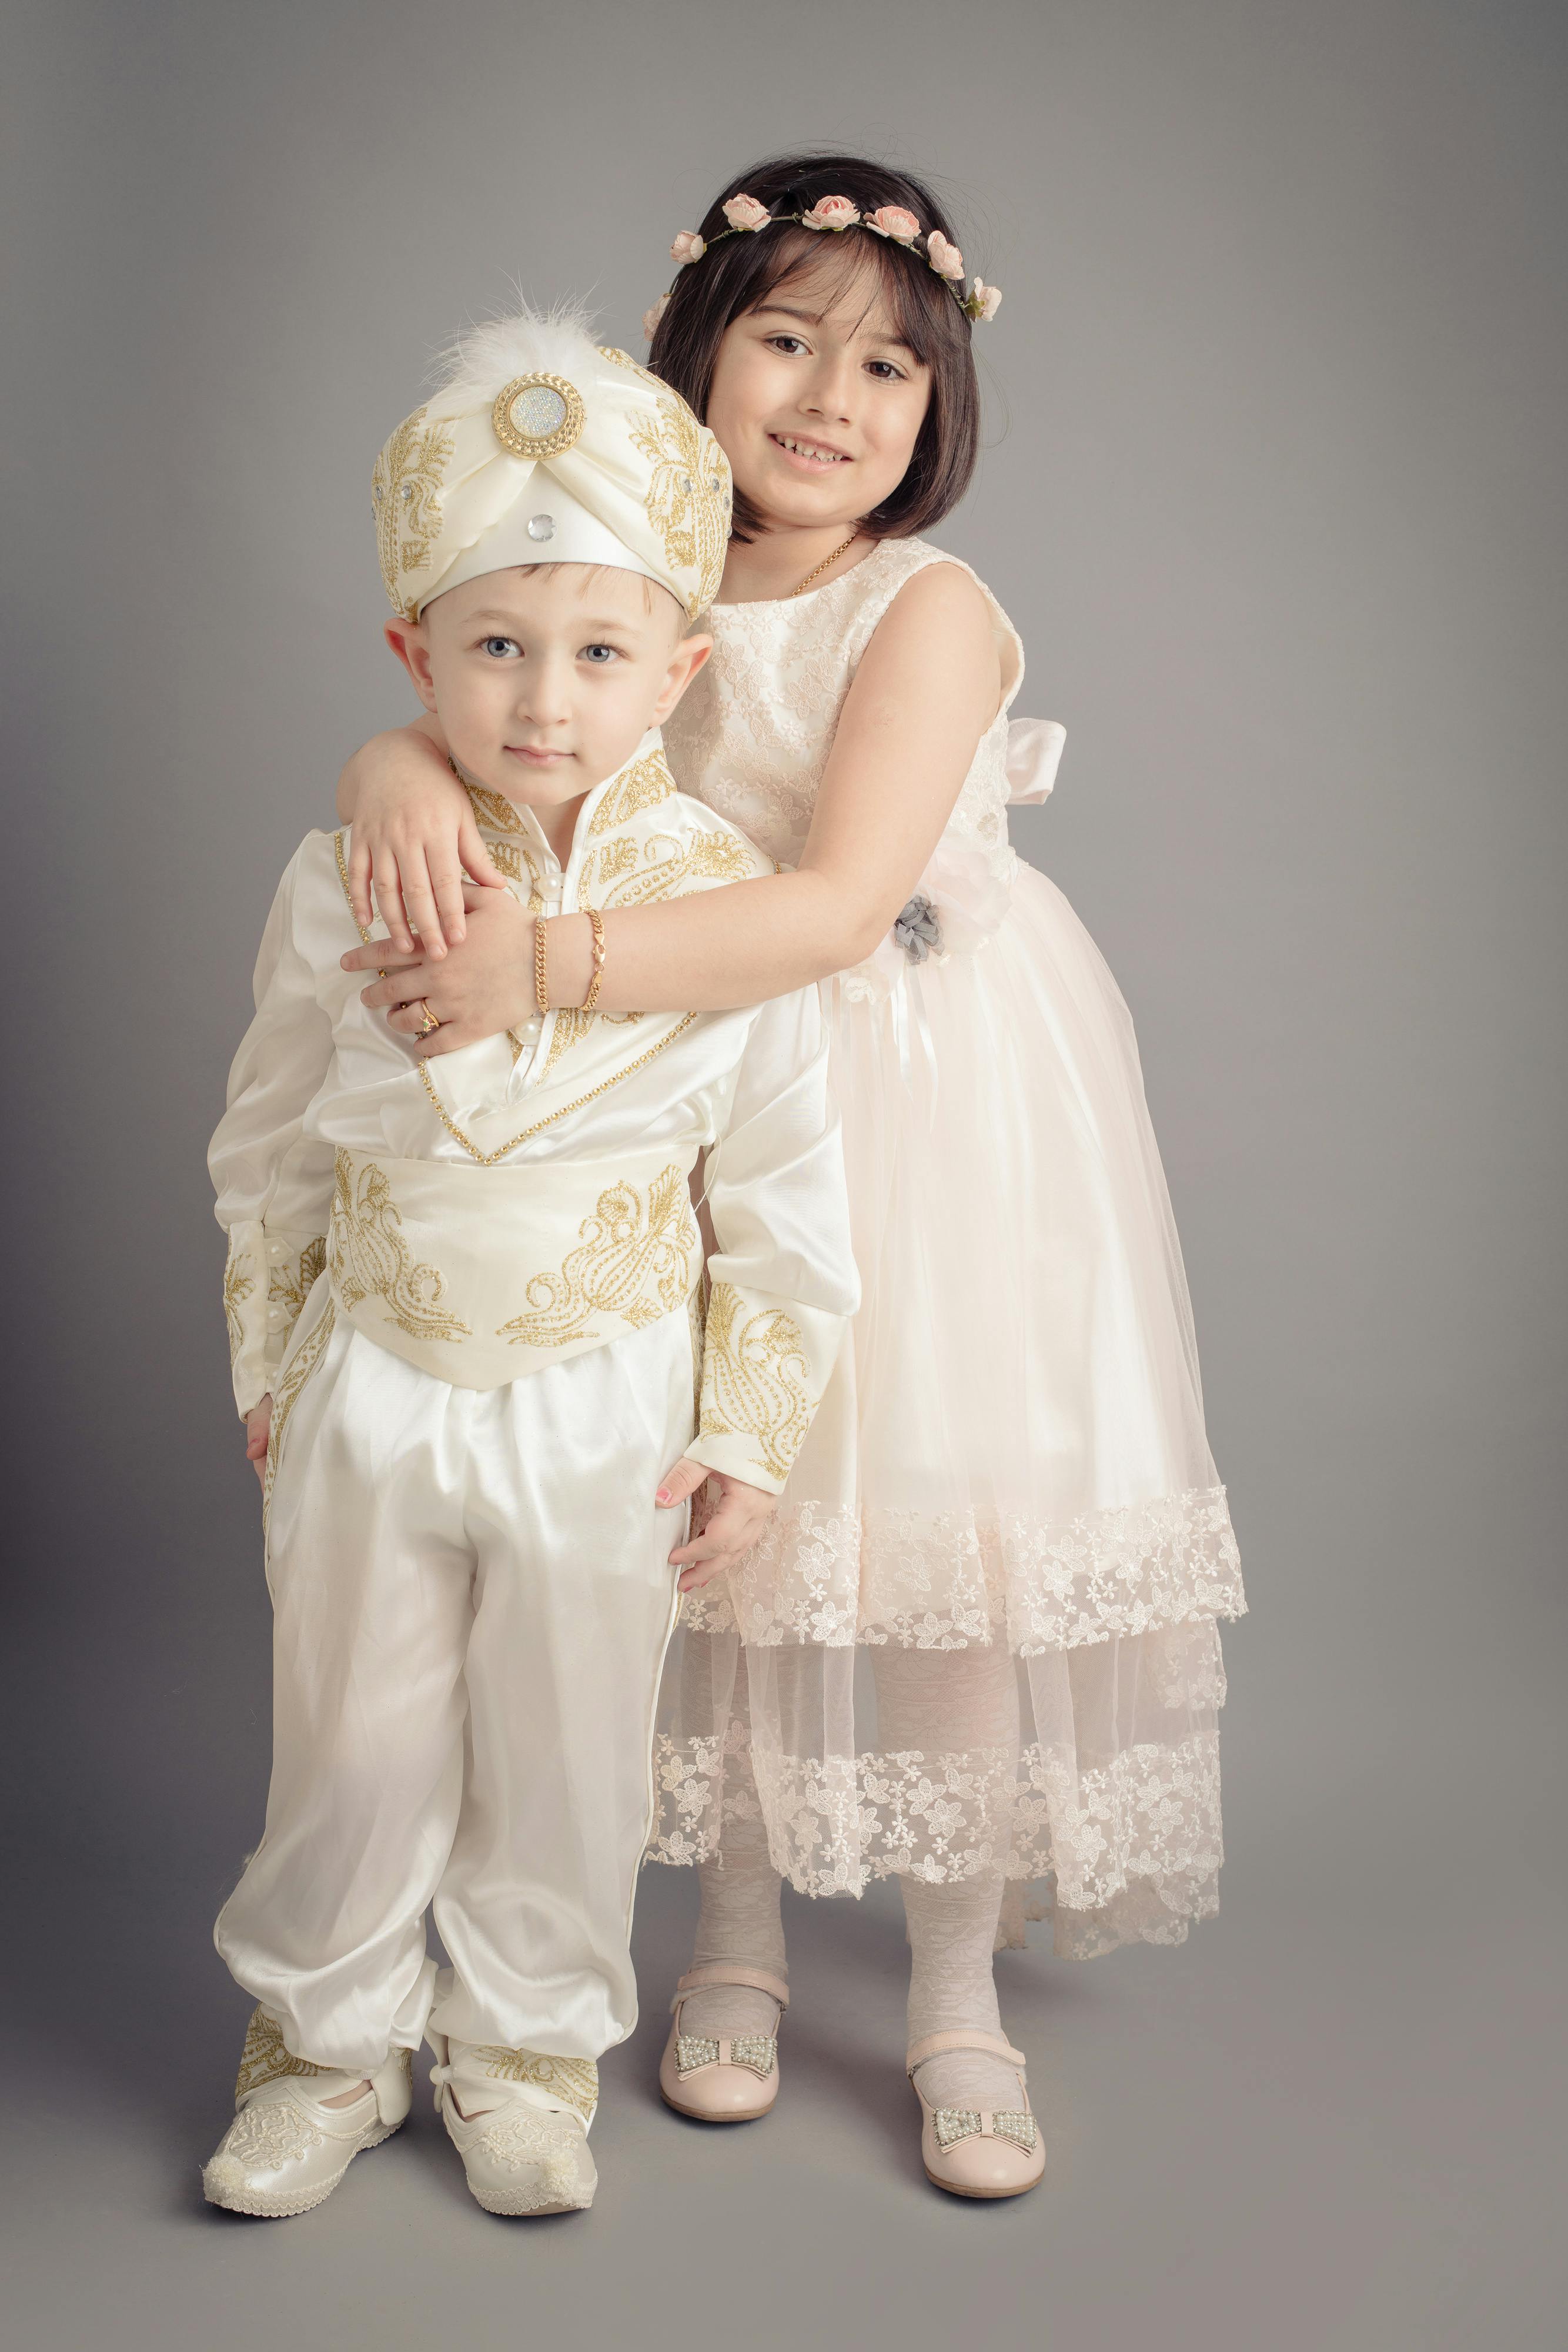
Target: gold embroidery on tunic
x=369, y=1258
x=685, y=501
x=265, y=2057
x=551, y=1118
x=755, y=1375
x=292, y=1281
x=573, y=2081
x=297, y=1373
x=572, y=1024
x=405, y=500
x=642, y=786
x=667, y=868
x=625, y=1245
x=494, y=813
x=239, y=1284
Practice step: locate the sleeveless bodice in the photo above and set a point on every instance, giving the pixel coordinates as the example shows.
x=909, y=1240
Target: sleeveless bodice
x=751, y=736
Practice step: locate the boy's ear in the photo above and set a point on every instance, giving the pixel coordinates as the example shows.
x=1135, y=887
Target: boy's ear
x=408, y=641
x=685, y=663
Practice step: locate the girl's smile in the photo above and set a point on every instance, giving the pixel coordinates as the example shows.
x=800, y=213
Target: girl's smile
x=815, y=455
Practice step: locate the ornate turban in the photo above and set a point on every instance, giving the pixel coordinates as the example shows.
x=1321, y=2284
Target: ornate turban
x=542, y=446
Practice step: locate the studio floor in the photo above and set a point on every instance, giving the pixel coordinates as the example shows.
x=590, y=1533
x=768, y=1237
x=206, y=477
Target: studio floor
x=1321, y=2124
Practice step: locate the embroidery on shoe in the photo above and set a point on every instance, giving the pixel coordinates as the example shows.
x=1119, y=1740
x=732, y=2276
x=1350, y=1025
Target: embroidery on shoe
x=759, y=2052
x=755, y=1376
x=523, y=2141
x=625, y=1245
x=694, y=2050
x=266, y=2058
x=573, y=2081
x=370, y=1258
x=261, y=2139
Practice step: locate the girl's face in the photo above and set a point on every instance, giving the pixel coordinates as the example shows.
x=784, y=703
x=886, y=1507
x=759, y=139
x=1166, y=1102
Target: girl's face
x=816, y=402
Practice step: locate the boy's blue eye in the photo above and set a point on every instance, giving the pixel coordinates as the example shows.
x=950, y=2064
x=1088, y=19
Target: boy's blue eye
x=498, y=645
x=598, y=655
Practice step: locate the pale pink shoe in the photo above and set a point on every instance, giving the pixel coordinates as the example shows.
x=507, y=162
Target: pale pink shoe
x=727, y=2078
x=977, y=2151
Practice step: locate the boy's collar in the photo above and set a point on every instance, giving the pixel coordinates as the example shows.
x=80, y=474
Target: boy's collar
x=515, y=838
x=638, y=782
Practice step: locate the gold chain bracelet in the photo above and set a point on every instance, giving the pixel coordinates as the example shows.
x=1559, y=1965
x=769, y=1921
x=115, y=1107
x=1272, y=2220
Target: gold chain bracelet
x=597, y=920
x=541, y=967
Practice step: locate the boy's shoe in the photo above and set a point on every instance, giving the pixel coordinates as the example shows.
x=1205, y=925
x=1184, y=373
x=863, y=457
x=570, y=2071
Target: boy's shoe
x=524, y=2139
x=286, y=2150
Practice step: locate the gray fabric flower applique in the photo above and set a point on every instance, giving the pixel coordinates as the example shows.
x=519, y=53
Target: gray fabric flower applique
x=917, y=930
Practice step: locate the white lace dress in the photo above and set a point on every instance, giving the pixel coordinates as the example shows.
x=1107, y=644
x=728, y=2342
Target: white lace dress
x=981, y=1630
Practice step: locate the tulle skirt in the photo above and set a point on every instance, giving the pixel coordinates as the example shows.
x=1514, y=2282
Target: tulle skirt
x=980, y=1633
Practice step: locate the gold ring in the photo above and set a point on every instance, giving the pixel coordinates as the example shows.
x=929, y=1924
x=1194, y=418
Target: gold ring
x=429, y=1023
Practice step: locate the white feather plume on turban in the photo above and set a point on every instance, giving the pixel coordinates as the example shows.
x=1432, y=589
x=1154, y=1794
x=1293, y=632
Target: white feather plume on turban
x=543, y=447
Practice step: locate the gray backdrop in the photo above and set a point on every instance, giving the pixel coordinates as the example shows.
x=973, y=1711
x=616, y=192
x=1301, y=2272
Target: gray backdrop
x=1273, y=490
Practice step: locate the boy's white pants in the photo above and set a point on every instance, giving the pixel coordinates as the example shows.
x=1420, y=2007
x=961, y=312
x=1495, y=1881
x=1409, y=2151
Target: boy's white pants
x=472, y=1600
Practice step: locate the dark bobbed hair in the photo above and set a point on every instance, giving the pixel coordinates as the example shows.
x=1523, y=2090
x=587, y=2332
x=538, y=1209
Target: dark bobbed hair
x=740, y=274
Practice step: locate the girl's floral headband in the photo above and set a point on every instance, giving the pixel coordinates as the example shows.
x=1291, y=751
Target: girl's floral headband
x=837, y=212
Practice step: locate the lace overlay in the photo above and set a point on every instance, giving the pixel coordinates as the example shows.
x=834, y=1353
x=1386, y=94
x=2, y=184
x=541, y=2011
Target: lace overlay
x=1133, y=1846
x=837, y=1578
x=950, y=1658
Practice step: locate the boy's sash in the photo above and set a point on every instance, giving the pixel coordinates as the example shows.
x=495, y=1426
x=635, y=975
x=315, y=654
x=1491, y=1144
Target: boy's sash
x=482, y=1275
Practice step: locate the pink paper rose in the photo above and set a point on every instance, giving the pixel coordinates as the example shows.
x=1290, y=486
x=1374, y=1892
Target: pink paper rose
x=687, y=246
x=744, y=212
x=984, y=300
x=892, y=220
x=945, y=258
x=652, y=316
x=831, y=212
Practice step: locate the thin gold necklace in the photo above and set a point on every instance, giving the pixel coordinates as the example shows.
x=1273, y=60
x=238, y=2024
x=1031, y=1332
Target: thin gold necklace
x=826, y=563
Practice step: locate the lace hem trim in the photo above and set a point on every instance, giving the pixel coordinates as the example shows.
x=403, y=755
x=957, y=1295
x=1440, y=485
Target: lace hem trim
x=1133, y=1846
x=940, y=1582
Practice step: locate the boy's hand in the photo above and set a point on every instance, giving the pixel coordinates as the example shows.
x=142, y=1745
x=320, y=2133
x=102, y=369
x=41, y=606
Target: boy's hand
x=733, y=1527
x=413, y=839
x=257, y=1432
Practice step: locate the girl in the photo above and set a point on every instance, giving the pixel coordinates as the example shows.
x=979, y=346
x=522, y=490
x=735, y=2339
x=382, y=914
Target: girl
x=978, y=1643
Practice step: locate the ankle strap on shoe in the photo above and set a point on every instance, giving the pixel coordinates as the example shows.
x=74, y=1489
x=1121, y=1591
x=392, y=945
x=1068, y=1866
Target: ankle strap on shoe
x=725, y=1972
x=931, y=2045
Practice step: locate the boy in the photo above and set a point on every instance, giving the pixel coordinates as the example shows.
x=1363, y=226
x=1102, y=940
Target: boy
x=459, y=1297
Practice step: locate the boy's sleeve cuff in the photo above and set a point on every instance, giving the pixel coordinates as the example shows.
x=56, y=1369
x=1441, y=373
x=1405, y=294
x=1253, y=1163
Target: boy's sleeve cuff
x=266, y=1281
x=735, y=1458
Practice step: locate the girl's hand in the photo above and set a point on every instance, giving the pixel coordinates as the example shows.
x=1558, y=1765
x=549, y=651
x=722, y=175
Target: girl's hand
x=485, y=985
x=257, y=1436
x=414, y=837
x=733, y=1527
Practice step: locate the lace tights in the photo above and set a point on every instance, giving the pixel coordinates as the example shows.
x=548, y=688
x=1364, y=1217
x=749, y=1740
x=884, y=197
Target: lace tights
x=956, y=1699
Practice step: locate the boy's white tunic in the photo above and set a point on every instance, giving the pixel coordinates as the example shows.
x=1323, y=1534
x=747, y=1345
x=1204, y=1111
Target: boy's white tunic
x=470, y=1285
